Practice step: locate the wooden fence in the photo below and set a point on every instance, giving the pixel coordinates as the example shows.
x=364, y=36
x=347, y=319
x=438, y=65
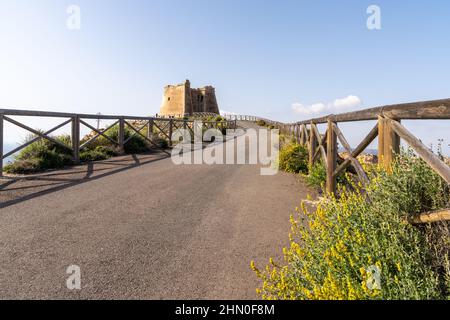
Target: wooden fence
x=156, y=126
x=389, y=131
x=241, y=117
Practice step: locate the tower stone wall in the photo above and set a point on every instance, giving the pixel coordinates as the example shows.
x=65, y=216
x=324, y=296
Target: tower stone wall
x=181, y=99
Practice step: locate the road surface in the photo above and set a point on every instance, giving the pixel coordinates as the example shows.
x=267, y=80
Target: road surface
x=143, y=228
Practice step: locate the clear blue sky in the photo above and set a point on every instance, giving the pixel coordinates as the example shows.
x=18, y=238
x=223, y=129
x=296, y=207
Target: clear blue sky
x=263, y=57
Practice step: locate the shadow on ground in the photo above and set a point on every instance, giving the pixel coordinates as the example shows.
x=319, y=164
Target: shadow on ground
x=16, y=189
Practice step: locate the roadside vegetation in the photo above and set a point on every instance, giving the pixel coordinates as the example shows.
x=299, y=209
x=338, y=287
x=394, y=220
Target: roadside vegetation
x=263, y=123
x=44, y=154
x=41, y=155
x=293, y=158
x=342, y=247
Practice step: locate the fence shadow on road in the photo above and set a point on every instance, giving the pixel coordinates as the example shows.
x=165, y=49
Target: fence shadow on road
x=14, y=190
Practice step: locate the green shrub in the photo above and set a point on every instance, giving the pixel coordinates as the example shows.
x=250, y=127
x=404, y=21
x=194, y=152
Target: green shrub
x=109, y=151
x=286, y=140
x=261, y=123
x=219, y=118
x=334, y=249
x=317, y=175
x=160, y=142
x=136, y=144
x=99, y=153
x=293, y=158
x=44, y=160
x=44, y=154
x=41, y=155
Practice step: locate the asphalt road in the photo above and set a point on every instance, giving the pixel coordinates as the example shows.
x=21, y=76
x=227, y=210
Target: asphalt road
x=153, y=230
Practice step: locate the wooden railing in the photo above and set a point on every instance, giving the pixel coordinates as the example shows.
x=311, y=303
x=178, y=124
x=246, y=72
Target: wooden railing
x=389, y=131
x=156, y=126
x=241, y=117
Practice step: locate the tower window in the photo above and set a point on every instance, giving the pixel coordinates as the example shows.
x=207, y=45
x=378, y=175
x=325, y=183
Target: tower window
x=168, y=99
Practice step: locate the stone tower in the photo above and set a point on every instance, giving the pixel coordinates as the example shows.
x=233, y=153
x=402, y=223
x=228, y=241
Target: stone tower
x=181, y=99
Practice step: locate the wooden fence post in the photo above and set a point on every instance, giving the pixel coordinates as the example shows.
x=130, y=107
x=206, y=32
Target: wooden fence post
x=76, y=139
x=121, y=135
x=312, y=144
x=381, y=124
x=388, y=143
x=302, y=137
x=170, y=132
x=391, y=145
x=150, y=129
x=331, y=157
x=1, y=144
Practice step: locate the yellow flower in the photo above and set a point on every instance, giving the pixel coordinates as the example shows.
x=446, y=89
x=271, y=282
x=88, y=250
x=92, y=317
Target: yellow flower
x=362, y=271
x=272, y=262
x=253, y=266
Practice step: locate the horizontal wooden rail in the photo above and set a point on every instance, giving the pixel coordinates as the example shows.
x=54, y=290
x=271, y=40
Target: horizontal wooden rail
x=162, y=126
x=389, y=131
x=426, y=154
x=430, y=217
x=432, y=110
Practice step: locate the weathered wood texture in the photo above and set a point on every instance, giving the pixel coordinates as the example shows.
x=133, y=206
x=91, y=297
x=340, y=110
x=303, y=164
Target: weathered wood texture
x=389, y=143
x=429, y=217
x=312, y=144
x=166, y=126
x=75, y=138
x=331, y=157
x=425, y=153
x=358, y=150
x=359, y=169
x=436, y=109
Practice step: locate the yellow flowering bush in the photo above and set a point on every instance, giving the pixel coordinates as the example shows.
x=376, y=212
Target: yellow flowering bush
x=335, y=248
x=293, y=158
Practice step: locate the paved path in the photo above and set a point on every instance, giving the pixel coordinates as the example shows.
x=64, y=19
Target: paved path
x=151, y=230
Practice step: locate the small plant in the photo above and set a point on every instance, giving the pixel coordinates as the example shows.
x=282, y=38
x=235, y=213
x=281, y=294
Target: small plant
x=136, y=144
x=41, y=155
x=293, y=158
x=317, y=175
x=160, y=142
x=99, y=153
